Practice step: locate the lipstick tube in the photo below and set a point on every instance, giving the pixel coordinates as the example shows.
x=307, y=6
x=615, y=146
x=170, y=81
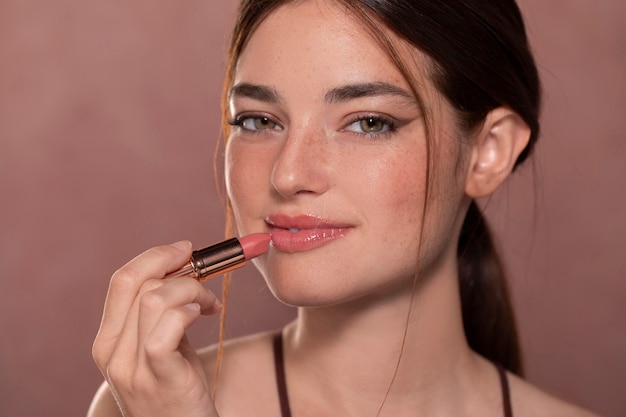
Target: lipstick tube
x=223, y=257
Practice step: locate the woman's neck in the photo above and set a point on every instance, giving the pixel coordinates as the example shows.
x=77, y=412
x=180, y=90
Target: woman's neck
x=354, y=349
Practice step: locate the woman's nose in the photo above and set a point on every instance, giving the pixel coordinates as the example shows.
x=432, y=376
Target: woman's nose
x=301, y=166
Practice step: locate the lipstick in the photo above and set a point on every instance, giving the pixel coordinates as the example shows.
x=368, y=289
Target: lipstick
x=302, y=233
x=223, y=257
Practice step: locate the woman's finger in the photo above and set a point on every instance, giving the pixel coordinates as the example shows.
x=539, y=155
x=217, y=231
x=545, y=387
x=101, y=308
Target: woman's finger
x=155, y=297
x=161, y=347
x=165, y=314
x=150, y=306
x=125, y=286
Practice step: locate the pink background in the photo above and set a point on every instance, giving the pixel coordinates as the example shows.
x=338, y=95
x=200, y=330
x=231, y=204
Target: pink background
x=108, y=119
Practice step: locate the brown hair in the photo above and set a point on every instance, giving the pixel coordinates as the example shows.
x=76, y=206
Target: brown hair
x=479, y=59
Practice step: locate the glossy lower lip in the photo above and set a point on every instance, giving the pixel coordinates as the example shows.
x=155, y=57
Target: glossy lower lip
x=303, y=233
x=286, y=240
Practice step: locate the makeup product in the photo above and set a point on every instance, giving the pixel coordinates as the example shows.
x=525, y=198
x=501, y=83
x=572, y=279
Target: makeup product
x=223, y=257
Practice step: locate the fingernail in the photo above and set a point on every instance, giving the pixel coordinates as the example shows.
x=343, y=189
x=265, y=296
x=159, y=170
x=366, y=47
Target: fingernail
x=217, y=304
x=182, y=245
x=192, y=306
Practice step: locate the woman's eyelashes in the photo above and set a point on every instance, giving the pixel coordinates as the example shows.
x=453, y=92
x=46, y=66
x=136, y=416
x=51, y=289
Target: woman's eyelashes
x=255, y=123
x=368, y=125
x=371, y=125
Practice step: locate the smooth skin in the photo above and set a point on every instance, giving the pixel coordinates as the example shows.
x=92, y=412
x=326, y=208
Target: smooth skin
x=313, y=145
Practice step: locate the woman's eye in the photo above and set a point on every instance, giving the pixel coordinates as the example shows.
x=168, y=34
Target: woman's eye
x=371, y=125
x=256, y=123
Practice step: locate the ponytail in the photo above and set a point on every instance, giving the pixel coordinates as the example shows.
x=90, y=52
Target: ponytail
x=488, y=317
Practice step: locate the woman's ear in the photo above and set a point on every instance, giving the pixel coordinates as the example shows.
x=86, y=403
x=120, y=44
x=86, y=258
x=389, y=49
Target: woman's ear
x=502, y=138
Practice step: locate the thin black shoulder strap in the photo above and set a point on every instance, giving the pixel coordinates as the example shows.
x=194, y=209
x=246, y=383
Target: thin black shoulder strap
x=281, y=382
x=506, y=394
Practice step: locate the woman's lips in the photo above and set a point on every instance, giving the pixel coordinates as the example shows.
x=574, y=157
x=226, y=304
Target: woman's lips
x=303, y=233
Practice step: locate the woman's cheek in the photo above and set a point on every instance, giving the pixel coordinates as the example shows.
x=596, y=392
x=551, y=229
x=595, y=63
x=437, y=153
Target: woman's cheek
x=248, y=169
x=238, y=170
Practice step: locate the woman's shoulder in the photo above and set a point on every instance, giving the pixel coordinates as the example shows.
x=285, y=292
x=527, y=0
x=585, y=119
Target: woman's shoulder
x=103, y=403
x=528, y=400
x=244, y=352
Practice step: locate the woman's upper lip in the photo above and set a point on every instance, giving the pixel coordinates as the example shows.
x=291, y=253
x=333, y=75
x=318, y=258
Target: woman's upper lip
x=303, y=221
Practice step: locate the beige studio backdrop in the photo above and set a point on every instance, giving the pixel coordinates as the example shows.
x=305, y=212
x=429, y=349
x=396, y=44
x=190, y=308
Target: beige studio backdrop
x=109, y=114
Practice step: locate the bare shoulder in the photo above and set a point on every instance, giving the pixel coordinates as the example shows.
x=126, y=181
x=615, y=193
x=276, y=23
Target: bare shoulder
x=528, y=400
x=246, y=366
x=103, y=404
x=241, y=354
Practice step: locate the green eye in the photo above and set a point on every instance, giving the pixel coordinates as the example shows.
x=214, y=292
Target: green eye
x=258, y=123
x=262, y=123
x=372, y=125
x=255, y=123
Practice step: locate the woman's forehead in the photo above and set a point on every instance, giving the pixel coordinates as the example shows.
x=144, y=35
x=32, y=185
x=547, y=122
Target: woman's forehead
x=314, y=39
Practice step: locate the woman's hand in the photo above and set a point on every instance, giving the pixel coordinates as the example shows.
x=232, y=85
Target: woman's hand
x=141, y=347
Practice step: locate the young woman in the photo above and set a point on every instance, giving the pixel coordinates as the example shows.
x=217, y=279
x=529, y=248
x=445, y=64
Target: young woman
x=359, y=135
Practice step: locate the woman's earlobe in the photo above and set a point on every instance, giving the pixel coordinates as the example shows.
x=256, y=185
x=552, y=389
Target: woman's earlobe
x=500, y=141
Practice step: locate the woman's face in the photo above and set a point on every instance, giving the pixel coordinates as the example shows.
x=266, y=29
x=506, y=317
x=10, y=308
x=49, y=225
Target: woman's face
x=327, y=152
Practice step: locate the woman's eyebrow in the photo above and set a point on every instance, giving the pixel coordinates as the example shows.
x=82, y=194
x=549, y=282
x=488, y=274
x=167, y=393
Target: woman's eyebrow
x=255, y=91
x=354, y=91
x=336, y=95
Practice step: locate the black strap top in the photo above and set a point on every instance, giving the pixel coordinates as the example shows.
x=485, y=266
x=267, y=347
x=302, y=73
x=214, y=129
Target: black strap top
x=279, y=365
